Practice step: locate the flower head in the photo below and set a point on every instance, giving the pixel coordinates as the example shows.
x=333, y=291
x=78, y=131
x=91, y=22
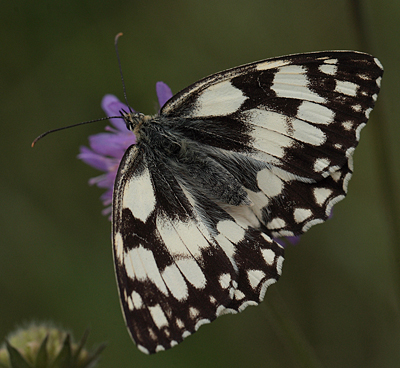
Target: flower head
x=42, y=345
x=106, y=149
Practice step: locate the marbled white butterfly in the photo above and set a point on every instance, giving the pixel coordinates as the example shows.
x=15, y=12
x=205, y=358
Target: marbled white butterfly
x=238, y=158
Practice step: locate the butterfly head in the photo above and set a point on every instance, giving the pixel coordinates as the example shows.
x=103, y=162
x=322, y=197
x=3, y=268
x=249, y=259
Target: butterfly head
x=134, y=120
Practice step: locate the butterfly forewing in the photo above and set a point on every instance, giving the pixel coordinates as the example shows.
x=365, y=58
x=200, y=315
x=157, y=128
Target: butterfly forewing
x=256, y=152
x=300, y=115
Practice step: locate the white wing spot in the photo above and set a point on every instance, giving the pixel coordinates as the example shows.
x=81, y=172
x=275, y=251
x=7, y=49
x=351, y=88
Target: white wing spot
x=321, y=195
x=269, y=141
x=331, y=61
x=221, y=310
x=321, y=164
x=358, y=131
x=347, y=125
x=135, y=301
x=378, y=81
x=377, y=62
x=158, y=316
x=281, y=233
x=119, y=247
x=349, y=155
x=307, y=133
x=175, y=282
x=363, y=76
x=328, y=69
x=301, y=214
x=130, y=304
x=346, y=181
x=272, y=64
x=275, y=122
x=249, y=216
x=143, y=349
x=192, y=271
x=357, y=108
x=291, y=82
x=239, y=295
x=182, y=239
x=269, y=183
x=269, y=256
x=264, y=288
x=276, y=223
x=179, y=323
x=255, y=276
x=140, y=263
x=219, y=99
x=279, y=264
x=336, y=175
x=138, y=196
x=159, y=348
x=225, y=280
x=346, y=88
x=231, y=230
x=311, y=223
x=314, y=113
x=193, y=312
x=246, y=304
x=201, y=323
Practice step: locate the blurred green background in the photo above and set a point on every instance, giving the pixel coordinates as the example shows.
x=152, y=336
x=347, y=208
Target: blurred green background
x=337, y=303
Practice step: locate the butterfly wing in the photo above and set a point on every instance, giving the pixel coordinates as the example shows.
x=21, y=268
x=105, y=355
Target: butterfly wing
x=179, y=266
x=286, y=128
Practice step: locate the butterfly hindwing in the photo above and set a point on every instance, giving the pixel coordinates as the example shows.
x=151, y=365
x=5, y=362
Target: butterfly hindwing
x=243, y=156
x=174, y=272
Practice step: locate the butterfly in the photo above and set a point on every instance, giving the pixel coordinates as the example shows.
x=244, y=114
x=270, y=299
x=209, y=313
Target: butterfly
x=230, y=163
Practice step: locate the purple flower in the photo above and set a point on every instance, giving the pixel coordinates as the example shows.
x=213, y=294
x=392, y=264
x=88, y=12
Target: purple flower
x=106, y=149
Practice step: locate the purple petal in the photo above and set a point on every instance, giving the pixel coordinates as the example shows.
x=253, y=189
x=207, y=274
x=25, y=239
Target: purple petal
x=93, y=159
x=107, y=197
x=293, y=240
x=164, y=93
x=103, y=181
x=112, y=107
x=110, y=144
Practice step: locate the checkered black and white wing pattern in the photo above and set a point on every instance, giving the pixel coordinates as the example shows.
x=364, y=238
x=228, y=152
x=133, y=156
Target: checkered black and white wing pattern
x=287, y=127
x=181, y=260
x=256, y=152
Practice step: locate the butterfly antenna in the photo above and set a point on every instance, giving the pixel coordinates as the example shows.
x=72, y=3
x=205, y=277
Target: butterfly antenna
x=120, y=68
x=72, y=126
